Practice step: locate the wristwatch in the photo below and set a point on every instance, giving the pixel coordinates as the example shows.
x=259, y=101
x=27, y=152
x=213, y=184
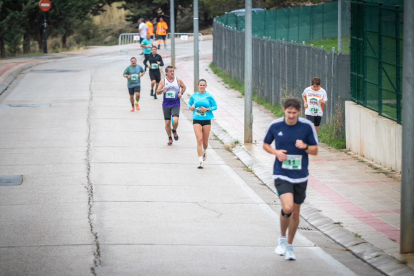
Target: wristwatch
x=307, y=146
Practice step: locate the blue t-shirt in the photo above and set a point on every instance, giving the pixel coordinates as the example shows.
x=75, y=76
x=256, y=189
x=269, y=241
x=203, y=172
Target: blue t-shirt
x=146, y=42
x=202, y=100
x=295, y=169
x=135, y=80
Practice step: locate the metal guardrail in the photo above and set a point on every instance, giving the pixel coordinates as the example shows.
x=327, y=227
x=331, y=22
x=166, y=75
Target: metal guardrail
x=182, y=40
x=128, y=38
x=185, y=40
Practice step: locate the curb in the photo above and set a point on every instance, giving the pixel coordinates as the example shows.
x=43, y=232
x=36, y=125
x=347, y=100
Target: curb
x=365, y=251
x=13, y=75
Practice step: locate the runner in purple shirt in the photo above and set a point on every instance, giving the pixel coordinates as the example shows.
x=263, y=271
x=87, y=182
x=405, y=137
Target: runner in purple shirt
x=173, y=88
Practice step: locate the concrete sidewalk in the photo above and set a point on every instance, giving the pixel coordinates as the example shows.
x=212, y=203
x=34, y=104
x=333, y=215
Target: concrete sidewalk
x=360, y=201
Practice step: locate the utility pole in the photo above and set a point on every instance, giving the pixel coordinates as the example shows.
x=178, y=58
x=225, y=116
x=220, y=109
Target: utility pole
x=172, y=27
x=248, y=73
x=407, y=181
x=44, y=34
x=196, y=61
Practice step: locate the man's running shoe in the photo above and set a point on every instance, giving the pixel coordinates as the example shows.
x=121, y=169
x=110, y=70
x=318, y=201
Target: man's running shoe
x=165, y=46
x=200, y=165
x=137, y=107
x=152, y=92
x=170, y=141
x=281, y=246
x=155, y=96
x=204, y=156
x=132, y=109
x=175, y=136
x=159, y=46
x=290, y=256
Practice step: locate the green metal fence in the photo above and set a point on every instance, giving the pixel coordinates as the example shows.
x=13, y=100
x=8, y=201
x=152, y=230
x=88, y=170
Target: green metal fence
x=376, y=55
x=306, y=23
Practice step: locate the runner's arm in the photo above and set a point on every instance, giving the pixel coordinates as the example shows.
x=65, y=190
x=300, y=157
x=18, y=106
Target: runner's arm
x=182, y=85
x=191, y=103
x=142, y=73
x=145, y=63
x=280, y=154
x=305, y=102
x=125, y=74
x=213, y=104
x=160, y=87
x=161, y=61
x=313, y=150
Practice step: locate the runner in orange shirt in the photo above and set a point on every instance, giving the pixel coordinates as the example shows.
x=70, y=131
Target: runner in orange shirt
x=150, y=27
x=162, y=28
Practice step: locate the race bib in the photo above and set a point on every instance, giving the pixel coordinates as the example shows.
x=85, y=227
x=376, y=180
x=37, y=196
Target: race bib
x=170, y=95
x=198, y=112
x=293, y=162
x=154, y=66
x=314, y=110
x=134, y=77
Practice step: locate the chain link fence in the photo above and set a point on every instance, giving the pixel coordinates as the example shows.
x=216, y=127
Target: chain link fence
x=377, y=55
x=305, y=23
x=281, y=69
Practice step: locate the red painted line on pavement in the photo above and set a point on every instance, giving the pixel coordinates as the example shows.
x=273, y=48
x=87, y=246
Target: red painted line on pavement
x=354, y=210
x=207, y=58
x=8, y=67
x=386, y=212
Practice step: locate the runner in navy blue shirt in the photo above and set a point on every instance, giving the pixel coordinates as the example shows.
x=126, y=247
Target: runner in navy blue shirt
x=295, y=138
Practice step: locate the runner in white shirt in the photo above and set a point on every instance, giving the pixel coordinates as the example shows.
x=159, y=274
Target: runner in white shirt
x=314, y=98
x=142, y=29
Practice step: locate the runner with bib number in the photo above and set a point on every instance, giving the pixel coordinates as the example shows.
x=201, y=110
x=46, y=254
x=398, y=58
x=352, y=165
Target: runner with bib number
x=155, y=61
x=134, y=73
x=173, y=89
x=295, y=138
x=202, y=104
x=314, y=98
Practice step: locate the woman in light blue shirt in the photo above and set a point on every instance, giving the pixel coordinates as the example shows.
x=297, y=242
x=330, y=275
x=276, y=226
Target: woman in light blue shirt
x=202, y=104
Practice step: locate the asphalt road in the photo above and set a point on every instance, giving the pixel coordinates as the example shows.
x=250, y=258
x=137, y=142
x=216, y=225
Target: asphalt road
x=102, y=194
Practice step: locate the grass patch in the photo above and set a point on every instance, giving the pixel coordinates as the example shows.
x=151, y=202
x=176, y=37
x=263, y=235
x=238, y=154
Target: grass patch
x=277, y=109
x=357, y=235
x=333, y=133
x=404, y=262
x=333, y=42
x=232, y=83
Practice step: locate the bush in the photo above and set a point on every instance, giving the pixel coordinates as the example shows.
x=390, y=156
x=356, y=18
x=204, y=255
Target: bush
x=333, y=133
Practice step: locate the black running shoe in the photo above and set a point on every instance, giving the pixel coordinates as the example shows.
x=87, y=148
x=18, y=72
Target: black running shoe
x=175, y=136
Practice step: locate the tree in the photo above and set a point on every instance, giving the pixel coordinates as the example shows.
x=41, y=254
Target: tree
x=13, y=14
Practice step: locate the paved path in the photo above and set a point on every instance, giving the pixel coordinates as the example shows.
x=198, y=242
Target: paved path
x=102, y=194
x=350, y=191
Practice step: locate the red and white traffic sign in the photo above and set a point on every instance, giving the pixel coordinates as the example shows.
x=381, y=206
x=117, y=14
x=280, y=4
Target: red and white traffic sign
x=45, y=5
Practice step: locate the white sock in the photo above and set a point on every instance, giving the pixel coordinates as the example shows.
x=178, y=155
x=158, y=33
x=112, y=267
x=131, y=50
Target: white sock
x=282, y=237
x=200, y=159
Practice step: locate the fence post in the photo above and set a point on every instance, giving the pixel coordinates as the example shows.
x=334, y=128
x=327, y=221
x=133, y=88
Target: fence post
x=407, y=183
x=398, y=59
x=339, y=26
x=323, y=21
x=380, y=59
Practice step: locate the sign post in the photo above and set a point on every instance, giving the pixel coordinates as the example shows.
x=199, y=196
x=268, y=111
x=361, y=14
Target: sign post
x=45, y=6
